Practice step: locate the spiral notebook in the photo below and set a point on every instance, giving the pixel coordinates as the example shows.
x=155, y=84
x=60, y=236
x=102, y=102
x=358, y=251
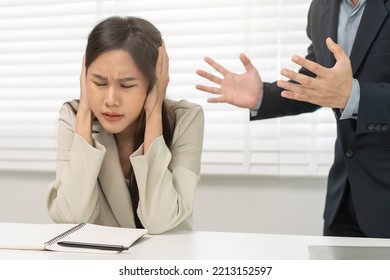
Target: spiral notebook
x=83, y=237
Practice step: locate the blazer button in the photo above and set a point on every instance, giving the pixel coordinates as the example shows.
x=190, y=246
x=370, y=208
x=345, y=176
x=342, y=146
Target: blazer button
x=385, y=127
x=349, y=153
x=371, y=126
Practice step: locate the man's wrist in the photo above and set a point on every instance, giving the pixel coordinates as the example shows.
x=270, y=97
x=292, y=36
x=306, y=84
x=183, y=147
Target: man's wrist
x=351, y=109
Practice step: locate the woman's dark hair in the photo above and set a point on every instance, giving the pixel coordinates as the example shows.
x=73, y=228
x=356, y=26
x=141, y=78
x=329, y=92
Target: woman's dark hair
x=141, y=40
x=136, y=36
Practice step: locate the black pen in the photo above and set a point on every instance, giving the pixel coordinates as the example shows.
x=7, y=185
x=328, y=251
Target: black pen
x=97, y=246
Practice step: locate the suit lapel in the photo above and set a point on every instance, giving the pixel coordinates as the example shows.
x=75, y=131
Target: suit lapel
x=112, y=181
x=328, y=24
x=373, y=17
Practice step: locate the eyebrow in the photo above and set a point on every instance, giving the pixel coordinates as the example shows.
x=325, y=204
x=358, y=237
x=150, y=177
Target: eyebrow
x=125, y=79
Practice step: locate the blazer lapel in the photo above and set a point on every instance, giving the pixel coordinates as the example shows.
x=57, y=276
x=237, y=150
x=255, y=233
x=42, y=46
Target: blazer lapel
x=373, y=17
x=112, y=181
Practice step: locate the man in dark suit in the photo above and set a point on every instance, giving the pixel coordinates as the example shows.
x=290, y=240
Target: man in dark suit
x=351, y=77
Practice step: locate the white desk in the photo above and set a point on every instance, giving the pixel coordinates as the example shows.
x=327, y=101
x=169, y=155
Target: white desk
x=209, y=246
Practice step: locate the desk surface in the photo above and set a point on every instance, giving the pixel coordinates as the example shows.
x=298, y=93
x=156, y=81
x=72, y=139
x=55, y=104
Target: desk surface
x=202, y=245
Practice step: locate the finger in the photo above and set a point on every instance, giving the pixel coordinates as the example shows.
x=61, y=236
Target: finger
x=213, y=90
x=83, y=74
x=83, y=70
x=297, y=77
x=294, y=96
x=83, y=62
x=165, y=58
x=246, y=62
x=162, y=64
x=159, y=62
x=220, y=99
x=219, y=68
x=336, y=49
x=209, y=76
x=310, y=65
x=295, y=88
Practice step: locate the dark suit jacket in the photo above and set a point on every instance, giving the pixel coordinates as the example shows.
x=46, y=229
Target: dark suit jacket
x=362, y=148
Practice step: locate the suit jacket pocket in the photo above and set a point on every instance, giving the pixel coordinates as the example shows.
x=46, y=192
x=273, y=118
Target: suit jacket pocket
x=382, y=46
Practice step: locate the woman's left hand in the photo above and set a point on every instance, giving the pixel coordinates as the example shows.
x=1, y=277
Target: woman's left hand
x=154, y=100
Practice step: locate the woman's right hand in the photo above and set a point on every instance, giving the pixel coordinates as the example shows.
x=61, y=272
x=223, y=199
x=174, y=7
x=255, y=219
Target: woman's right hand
x=84, y=113
x=84, y=105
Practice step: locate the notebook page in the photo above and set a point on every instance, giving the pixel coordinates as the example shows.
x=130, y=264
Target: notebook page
x=29, y=236
x=91, y=233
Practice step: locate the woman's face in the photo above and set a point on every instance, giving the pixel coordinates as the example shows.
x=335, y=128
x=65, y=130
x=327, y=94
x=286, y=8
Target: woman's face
x=116, y=91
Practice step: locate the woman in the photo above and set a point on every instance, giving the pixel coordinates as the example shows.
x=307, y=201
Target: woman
x=127, y=156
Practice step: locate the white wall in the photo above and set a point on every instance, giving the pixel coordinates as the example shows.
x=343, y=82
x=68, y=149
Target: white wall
x=260, y=204
x=222, y=203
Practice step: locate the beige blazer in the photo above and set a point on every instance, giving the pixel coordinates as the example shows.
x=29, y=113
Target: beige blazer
x=90, y=186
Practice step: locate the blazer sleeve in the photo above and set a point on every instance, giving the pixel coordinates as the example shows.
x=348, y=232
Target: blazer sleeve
x=166, y=177
x=73, y=196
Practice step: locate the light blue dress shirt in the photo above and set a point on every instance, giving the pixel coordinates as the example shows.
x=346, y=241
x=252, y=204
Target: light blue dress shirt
x=349, y=19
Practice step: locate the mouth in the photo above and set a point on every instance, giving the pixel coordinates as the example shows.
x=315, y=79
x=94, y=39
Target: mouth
x=112, y=116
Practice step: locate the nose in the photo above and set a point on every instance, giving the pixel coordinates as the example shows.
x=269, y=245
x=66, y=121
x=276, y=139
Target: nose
x=111, y=99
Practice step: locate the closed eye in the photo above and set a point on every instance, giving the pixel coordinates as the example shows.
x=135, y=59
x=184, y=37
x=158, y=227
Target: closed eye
x=127, y=86
x=100, y=84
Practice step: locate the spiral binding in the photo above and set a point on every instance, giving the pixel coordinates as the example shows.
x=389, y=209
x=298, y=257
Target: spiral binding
x=65, y=234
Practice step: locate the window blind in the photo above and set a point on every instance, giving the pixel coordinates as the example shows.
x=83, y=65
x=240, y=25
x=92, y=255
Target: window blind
x=42, y=44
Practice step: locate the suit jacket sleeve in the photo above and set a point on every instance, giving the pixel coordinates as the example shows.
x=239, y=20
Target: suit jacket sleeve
x=166, y=177
x=374, y=107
